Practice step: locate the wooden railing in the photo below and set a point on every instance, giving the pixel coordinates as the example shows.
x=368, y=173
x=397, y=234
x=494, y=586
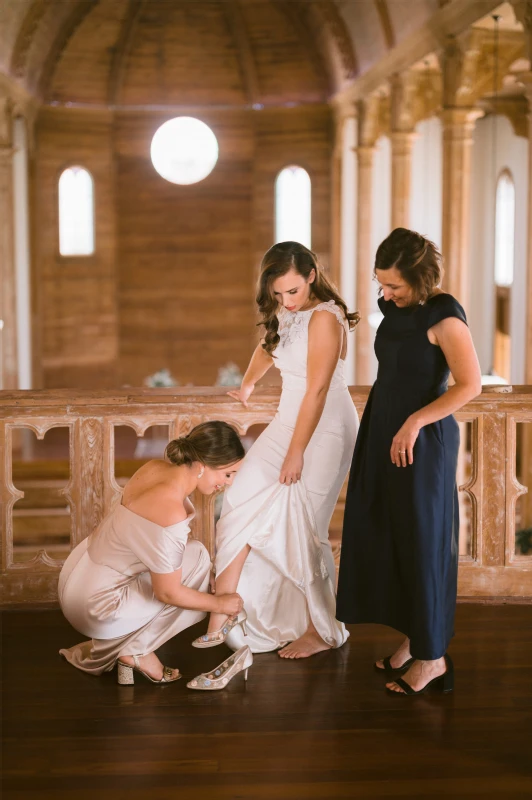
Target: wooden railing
x=490, y=564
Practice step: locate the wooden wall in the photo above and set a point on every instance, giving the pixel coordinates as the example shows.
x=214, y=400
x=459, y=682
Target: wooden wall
x=172, y=282
x=75, y=328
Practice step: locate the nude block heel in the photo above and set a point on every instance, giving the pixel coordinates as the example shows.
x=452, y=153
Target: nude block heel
x=125, y=675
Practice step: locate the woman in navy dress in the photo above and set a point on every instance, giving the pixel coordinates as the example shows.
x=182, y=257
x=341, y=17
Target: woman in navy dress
x=399, y=558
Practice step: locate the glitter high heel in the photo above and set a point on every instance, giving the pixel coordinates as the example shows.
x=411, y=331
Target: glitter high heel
x=127, y=678
x=220, y=676
x=218, y=637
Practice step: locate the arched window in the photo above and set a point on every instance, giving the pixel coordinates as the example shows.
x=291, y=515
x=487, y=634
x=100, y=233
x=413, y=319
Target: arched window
x=76, y=212
x=504, y=229
x=293, y=206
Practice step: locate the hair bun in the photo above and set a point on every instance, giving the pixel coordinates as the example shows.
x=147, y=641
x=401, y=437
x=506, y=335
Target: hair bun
x=181, y=451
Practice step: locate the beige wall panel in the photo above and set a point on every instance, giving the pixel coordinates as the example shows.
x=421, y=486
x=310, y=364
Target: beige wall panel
x=185, y=272
x=302, y=136
x=172, y=283
x=76, y=304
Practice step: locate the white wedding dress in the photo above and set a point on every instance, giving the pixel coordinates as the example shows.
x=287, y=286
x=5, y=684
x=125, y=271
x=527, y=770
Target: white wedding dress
x=289, y=573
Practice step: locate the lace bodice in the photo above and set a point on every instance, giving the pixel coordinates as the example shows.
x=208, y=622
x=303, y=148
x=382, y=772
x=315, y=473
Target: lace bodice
x=292, y=351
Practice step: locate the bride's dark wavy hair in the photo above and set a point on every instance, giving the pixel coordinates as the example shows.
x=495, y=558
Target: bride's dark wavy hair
x=279, y=260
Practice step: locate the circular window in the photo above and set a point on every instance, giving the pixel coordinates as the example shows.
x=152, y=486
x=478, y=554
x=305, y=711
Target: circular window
x=184, y=150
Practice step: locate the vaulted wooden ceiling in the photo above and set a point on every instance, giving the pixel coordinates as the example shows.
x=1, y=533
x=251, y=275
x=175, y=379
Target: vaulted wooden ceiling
x=198, y=52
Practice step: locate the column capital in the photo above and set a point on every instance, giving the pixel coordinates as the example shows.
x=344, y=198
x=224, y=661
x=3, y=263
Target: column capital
x=460, y=63
x=403, y=88
x=403, y=140
x=365, y=155
x=459, y=119
x=370, y=119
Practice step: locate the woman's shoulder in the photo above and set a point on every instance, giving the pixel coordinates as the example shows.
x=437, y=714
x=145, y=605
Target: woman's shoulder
x=331, y=307
x=151, y=494
x=442, y=305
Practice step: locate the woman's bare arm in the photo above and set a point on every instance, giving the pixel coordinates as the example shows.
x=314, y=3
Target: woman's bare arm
x=168, y=589
x=258, y=366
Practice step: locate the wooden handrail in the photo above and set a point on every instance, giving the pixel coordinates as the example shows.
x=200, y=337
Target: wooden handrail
x=491, y=568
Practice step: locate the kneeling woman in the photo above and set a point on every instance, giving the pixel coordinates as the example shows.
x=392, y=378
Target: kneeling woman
x=138, y=580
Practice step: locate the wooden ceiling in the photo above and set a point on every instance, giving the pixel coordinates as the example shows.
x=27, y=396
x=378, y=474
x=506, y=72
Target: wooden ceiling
x=139, y=53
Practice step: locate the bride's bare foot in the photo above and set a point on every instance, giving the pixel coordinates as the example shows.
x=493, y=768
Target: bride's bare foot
x=419, y=674
x=399, y=657
x=307, y=645
x=149, y=664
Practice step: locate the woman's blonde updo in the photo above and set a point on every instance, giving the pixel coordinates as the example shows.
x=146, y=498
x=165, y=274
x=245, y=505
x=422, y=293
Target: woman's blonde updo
x=215, y=444
x=279, y=260
x=416, y=258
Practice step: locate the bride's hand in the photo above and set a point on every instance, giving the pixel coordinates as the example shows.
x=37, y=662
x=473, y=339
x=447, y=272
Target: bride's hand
x=292, y=468
x=243, y=393
x=230, y=604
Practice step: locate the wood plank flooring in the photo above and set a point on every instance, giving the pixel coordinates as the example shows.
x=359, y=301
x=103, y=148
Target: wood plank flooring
x=320, y=728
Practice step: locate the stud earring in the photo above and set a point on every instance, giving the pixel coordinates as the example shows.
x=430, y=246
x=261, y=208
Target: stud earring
x=200, y=474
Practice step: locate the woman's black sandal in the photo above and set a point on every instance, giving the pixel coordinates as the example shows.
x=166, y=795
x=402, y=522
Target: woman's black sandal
x=388, y=667
x=444, y=683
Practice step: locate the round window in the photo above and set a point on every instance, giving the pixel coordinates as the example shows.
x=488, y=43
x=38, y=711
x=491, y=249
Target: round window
x=184, y=150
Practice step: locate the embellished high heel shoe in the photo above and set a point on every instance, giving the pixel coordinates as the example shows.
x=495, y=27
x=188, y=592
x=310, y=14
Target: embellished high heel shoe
x=126, y=676
x=444, y=683
x=218, y=637
x=219, y=677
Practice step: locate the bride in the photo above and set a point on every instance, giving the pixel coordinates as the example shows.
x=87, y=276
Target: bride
x=272, y=537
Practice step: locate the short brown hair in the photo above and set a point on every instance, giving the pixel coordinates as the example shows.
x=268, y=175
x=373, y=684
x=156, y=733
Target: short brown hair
x=417, y=259
x=215, y=444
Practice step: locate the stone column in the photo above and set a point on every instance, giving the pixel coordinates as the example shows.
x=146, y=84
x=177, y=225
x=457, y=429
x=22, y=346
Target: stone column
x=364, y=261
x=336, y=202
x=8, y=333
x=402, y=137
x=458, y=126
x=523, y=13
x=401, y=142
x=368, y=115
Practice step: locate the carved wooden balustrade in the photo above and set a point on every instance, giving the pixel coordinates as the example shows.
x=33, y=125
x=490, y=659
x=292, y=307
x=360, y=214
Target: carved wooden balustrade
x=490, y=566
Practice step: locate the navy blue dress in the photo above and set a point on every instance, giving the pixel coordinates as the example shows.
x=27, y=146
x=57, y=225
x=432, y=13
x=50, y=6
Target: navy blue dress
x=399, y=558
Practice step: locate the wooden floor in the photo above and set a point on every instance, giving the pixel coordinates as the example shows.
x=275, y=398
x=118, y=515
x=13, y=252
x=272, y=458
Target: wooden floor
x=321, y=728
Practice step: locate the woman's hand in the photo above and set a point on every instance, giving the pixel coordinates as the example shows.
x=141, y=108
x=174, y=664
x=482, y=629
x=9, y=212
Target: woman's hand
x=292, y=468
x=402, y=450
x=212, y=582
x=230, y=604
x=243, y=393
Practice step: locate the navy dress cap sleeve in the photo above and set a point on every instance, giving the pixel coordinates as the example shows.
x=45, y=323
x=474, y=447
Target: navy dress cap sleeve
x=442, y=306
